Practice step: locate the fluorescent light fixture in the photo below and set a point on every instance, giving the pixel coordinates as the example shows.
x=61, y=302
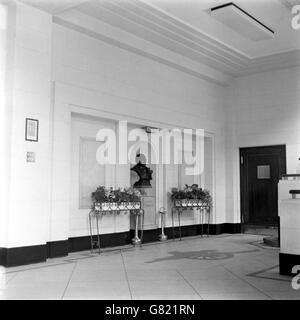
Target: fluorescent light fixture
x=242, y=22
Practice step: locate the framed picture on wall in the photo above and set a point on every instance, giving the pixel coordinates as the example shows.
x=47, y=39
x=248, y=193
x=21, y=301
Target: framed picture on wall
x=32, y=130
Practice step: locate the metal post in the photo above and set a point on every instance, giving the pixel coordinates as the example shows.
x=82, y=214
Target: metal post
x=91, y=232
x=98, y=234
x=162, y=236
x=142, y=225
x=173, y=223
x=201, y=217
x=208, y=222
x=179, y=213
x=136, y=240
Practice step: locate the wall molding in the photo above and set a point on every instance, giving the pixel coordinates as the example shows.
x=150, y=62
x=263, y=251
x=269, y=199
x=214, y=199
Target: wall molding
x=174, y=60
x=176, y=33
x=149, y=23
x=272, y=62
x=154, y=25
x=128, y=25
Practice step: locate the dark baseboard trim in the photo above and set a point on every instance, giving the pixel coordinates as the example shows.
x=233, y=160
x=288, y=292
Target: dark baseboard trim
x=57, y=248
x=231, y=228
x=191, y=230
x=148, y=235
x=287, y=262
x=10, y=257
x=74, y=244
x=106, y=240
x=3, y=255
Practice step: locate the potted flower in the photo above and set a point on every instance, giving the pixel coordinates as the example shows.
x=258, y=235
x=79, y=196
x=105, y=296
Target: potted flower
x=191, y=196
x=109, y=199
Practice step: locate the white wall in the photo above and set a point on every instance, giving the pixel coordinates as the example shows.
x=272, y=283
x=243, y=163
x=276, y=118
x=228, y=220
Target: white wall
x=4, y=127
x=100, y=79
x=263, y=109
x=29, y=96
x=85, y=129
x=94, y=78
x=144, y=88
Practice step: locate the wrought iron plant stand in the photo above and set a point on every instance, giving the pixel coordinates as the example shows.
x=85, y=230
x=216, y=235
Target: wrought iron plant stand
x=181, y=205
x=101, y=209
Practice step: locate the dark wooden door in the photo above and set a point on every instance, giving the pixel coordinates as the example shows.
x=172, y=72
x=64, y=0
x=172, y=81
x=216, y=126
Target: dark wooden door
x=261, y=169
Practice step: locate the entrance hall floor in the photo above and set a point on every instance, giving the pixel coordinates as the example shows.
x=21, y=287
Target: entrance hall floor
x=218, y=267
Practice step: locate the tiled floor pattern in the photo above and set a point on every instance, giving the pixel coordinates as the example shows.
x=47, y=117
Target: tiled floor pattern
x=218, y=267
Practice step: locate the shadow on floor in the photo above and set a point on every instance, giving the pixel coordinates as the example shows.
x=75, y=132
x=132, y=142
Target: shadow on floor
x=201, y=255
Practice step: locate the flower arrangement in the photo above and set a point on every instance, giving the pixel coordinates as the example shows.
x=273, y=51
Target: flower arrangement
x=103, y=194
x=192, y=192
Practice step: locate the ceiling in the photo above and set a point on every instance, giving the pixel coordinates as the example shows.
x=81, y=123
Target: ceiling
x=272, y=13
x=187, y=28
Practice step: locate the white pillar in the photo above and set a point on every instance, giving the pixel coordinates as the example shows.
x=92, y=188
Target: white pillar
x=24, y=186
x=4, y=128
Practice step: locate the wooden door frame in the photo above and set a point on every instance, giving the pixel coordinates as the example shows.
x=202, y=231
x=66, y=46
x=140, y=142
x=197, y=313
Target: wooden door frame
x=273, y=149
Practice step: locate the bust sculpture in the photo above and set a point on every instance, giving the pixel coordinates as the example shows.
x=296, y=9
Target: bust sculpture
x=144, y=173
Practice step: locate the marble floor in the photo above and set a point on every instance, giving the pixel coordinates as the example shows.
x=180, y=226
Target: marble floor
x=218, y=267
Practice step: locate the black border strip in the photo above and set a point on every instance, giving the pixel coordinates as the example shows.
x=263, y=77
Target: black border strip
x=11, y=257
x=287, y=262
x=245, y=12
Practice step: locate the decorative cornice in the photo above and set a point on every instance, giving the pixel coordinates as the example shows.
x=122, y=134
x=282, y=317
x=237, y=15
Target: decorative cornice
x=174, y=61
x=155, y=26
x=272, y=62
x=146, y=30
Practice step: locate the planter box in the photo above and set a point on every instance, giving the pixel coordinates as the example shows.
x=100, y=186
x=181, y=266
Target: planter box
x=116, y=206
x=189, y=203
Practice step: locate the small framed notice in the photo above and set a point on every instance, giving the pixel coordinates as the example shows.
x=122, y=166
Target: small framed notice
x=30, y=156
x=32, y=130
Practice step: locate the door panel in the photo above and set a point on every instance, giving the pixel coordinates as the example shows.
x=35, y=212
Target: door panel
x=261, y=168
